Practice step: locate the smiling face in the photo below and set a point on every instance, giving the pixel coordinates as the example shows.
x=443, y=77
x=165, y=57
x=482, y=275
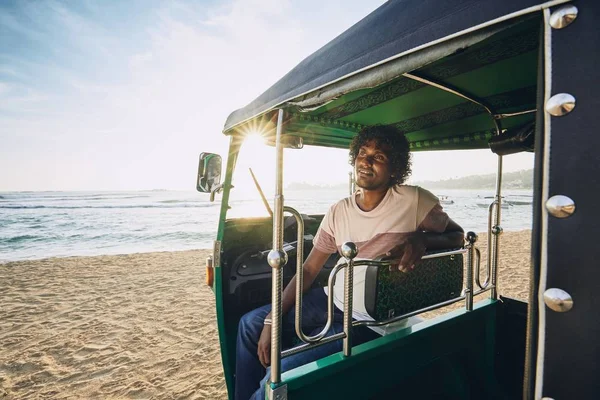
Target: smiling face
x=372, y=167
x=393, y=146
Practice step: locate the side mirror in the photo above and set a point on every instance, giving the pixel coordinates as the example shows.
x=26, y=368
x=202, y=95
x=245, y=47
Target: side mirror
x=209, y=172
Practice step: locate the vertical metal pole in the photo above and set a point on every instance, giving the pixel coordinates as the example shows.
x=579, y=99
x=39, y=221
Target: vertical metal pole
x=348, y=299
x=277, y=283
x=350, y=181
x=469, y=279
x=471, y=238
x=496, y=231
x=349, y=251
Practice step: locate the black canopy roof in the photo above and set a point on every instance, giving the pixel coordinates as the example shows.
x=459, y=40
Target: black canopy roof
x=392, y=31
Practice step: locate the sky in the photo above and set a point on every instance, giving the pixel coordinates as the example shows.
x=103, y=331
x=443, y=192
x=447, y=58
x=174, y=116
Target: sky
x=125, y=95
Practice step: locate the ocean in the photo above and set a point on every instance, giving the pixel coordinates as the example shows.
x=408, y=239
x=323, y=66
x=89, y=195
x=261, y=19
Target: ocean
x=36, y=225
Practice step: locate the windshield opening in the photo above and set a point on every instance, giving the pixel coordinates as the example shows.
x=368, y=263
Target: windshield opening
x=314, y=179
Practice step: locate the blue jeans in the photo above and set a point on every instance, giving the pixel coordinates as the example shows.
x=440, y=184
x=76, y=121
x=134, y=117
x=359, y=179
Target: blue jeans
x=251, y=376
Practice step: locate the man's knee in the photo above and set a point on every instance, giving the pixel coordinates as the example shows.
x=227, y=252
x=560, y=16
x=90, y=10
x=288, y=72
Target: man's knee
x=251, y=324
x=245, y=325
x=246, y=321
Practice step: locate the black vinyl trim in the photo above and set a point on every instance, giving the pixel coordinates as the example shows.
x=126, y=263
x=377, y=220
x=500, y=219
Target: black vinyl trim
x=534, y=270
x=572, y=344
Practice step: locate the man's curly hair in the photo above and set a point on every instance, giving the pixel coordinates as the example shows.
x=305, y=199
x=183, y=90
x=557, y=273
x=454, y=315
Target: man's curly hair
x=392, y=142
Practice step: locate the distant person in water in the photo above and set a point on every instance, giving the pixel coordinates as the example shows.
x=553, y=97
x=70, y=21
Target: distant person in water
x=383, y=217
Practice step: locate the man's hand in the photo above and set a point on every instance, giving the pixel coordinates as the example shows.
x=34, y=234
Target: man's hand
x=264, y=346
x=409, y=251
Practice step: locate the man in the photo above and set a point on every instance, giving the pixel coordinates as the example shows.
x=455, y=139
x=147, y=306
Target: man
x=383, y=218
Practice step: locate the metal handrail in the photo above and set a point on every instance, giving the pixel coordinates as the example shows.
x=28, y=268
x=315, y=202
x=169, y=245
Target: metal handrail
x=493, y=239
x=308, y=346
x=478, y=272
x=300, y=284
x=330, y=300
x=409, y=314
x=487, y=289
x=330, y=307
x=496, y=231
x=491, y=210
x=425, y=257
x=320, y=339
x=342, y=335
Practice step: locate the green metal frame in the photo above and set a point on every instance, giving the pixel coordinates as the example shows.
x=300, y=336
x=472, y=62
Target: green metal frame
x=234, y=148
x=387, y=361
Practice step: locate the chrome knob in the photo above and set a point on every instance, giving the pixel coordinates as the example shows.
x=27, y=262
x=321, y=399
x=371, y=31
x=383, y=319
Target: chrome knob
x=560, y=104
x=560, y=206
x=349, y=250
x=558, y=300
x=471, y=237
x=277, y=258
x=563, y=17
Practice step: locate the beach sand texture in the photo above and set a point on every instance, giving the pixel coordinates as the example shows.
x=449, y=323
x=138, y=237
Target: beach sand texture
x=133, y=326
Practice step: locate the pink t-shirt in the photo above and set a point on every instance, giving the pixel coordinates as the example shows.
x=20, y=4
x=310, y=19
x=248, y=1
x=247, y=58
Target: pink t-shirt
x=403, y=210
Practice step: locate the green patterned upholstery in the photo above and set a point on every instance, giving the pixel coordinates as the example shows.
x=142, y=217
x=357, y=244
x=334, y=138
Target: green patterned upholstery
x=394, y=293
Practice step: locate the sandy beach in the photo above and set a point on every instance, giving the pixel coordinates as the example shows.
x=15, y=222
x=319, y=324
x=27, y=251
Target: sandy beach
x=134, y=326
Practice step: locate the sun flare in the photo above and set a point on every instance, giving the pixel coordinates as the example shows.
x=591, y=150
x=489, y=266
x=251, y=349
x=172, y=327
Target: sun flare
x=254, y=139
x=254, y=154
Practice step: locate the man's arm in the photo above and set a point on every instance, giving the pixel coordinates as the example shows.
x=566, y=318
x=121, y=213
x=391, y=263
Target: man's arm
x=452, y=237
x=414, y=246
x=311, y=268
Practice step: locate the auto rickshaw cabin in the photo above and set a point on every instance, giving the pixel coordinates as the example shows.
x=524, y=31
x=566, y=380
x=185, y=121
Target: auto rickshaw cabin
x=459, y=74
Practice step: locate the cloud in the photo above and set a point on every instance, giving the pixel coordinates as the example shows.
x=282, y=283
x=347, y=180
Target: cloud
x=10, y=72
x=4, y=88
x=16, y=98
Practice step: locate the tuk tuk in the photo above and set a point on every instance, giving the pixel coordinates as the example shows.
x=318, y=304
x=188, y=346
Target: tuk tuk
x=508, y=76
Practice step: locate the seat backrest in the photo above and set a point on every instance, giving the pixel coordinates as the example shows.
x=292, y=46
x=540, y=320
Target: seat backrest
x=393, y=293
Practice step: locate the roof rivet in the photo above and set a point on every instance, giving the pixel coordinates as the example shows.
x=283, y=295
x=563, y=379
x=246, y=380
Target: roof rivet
x=560, y=104
x=558, y=300
x=563, y=17
x=560, y=206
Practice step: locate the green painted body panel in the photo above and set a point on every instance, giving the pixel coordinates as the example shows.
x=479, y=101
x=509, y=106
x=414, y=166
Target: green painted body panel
x=453, y=352
x=226, y=348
